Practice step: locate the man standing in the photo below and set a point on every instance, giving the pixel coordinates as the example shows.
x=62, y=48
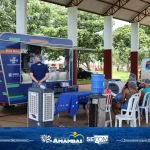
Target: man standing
x=39, y=72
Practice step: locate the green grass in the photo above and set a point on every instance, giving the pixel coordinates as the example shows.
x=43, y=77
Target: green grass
x=83, y=81
x=120, y=75
x=123, y=75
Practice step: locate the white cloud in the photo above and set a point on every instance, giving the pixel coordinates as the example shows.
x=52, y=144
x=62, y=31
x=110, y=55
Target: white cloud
x=119, y=23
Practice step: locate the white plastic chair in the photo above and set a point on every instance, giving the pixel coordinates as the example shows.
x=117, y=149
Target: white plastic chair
x=137, y=109
x=149, y=107
x=140, y=91
x=108, y=109
x=130, y=113
x=145, y=105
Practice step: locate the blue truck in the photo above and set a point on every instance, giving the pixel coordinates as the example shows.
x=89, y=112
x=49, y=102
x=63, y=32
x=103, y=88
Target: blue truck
x=15, y=50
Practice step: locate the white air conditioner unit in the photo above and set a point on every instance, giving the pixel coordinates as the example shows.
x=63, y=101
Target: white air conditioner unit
x=33, y=103
x=48, y=107
x=115, y=86
x=40, y=107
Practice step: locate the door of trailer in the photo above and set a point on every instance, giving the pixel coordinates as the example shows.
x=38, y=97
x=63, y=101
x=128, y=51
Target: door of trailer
x=10, y=73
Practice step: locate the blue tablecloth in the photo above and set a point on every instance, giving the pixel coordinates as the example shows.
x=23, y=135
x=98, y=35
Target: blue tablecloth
x=70, y=102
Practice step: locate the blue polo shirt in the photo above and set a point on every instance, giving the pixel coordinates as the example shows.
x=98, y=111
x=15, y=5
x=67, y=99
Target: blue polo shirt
x=39, y=70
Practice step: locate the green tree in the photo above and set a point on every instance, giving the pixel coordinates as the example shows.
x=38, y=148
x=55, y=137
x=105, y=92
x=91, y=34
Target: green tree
x=89, y=26
x=55, y=25
x=122, y=45
x=146, y=29
x=7, y=16
x=51, y=20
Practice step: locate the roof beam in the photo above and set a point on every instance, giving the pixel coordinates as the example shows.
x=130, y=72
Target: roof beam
x=140, y=16
x=57, y=3
x=145, y=1
x=73, y=3
x=122, y=6
x=115, y=7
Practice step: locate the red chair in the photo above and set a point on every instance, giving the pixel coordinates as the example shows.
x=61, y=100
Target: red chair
x=107, y=93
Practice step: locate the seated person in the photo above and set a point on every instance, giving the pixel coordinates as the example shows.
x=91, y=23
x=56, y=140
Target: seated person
x=145, y=90
x=132, y=75
x=127, y=93
x=118, y=97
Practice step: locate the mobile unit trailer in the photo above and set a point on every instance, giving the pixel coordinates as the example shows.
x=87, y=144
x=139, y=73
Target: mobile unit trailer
x=14, y=75
x=145, y=69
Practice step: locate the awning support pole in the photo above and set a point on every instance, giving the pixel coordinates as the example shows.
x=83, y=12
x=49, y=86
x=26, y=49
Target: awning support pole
x=108, y=20
x=21, y=16
x=72, y=35
x=134, y=48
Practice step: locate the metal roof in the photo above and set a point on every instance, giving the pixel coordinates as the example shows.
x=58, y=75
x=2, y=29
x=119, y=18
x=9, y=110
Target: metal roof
x=127, y=10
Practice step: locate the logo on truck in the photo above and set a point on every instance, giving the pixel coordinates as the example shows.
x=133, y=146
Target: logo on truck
x=13, y=75
x=10, y=75
x=13, y=60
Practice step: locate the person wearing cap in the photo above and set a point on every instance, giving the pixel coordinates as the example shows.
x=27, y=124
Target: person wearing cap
x=118, y=97
x=126, y=95
x=39, y=72
x=132, y=75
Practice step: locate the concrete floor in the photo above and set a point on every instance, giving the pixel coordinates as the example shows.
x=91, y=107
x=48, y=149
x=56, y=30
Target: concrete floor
x=17, y=116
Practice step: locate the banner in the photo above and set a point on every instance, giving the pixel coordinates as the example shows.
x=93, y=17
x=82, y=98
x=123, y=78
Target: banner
x=74, y=138
x=11, y=66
